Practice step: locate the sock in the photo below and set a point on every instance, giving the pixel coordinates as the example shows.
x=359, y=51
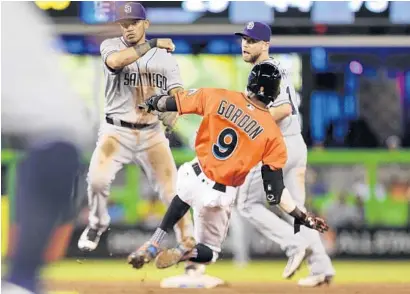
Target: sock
x=158, y=236
x=201, y=254
x=44, y=184
x=176, y=210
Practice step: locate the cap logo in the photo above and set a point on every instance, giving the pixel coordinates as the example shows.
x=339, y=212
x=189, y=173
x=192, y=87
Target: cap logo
x=250, y=25
x=127, y=8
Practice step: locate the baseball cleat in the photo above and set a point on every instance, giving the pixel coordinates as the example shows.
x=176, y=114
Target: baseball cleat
x=170, y=257
x=143, y=255
x=315, y=280
x=89, y=239
x=294, y=263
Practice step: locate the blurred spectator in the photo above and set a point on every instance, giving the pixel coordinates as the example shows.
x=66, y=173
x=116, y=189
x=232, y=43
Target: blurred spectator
x=116, y=211
x=315, y=185
x=408, y=191
x=360, y=135
x=362, y=190
x=341, y=214
x=393, y=142
x=397, y=188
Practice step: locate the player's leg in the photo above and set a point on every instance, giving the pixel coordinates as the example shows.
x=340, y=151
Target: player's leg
x=108, y=158
x=43, y=196
x=178, y=207
x=294, y=178
x=211, y=227
x=160, y=169
x=251, y=205
x=187, y=195
x=240, y=242
x=210, y=231
x=320, y=265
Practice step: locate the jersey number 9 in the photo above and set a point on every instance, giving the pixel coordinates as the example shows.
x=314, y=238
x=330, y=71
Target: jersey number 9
x=226, y=144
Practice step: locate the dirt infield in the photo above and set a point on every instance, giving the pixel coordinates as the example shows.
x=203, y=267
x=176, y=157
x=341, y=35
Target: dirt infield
x=243, y=288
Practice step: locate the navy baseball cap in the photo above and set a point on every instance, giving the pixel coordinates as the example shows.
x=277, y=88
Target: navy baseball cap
x=130, y=10
x=256, y=30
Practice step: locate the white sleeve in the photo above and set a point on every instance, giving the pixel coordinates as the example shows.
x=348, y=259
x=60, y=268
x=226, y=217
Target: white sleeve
x=108, y=47
x=172, y=73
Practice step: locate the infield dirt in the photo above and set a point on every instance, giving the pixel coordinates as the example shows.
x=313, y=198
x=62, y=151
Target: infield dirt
x=242, y=288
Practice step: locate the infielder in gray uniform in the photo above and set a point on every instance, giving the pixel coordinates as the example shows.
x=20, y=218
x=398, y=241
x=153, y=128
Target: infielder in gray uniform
x=135, y=69
x=251, y=199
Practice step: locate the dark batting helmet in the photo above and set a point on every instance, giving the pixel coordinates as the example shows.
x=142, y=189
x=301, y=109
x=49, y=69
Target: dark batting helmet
x=264, y=82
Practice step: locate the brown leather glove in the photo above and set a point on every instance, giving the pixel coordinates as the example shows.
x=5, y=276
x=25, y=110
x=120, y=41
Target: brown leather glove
x=315, y=223
x=311, y=221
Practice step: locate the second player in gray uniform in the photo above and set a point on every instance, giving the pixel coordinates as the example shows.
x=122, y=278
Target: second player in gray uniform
x=134, y=69
x=251, y=201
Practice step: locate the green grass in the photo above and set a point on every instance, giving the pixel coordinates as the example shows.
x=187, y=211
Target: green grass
x=118, y=270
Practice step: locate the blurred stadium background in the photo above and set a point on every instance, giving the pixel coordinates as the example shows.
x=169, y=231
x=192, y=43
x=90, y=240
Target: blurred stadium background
x=350, y=63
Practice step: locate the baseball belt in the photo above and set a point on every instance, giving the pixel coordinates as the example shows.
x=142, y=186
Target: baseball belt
x=218, y=187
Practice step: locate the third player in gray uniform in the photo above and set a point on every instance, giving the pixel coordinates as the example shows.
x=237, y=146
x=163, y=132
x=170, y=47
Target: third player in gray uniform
x=134, y=69
x=251, y=200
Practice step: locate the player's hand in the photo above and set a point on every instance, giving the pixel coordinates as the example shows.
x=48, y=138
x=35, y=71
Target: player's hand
x=315, y=223
x=168, y=119
x=149, y=104
x=145, y=107
x=166, y=43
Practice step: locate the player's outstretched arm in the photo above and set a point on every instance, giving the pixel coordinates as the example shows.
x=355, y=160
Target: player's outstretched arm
x=169, y=118
x=278, y=194
x=280, y=112
x=119, y=59
x=193, y=101
x=161, y=103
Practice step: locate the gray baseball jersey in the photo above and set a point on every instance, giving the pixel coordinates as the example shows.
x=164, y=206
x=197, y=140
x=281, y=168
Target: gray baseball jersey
x=290, y=125
x=154, y=73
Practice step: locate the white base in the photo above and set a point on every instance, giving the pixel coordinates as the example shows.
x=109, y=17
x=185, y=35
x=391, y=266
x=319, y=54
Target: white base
x=191, y=281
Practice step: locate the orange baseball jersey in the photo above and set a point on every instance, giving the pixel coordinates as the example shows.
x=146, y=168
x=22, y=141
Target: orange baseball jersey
x=234, y=135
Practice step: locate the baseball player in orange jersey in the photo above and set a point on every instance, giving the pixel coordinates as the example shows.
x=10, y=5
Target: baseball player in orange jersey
x=134, y=69
x=251, y=203
x=237, y=131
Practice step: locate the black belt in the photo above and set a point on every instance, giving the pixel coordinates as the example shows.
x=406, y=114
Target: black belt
x=126, y=124
x=218, y=187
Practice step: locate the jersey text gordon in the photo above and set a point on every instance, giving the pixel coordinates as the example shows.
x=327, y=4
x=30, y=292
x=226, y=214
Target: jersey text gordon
x=236, y=115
